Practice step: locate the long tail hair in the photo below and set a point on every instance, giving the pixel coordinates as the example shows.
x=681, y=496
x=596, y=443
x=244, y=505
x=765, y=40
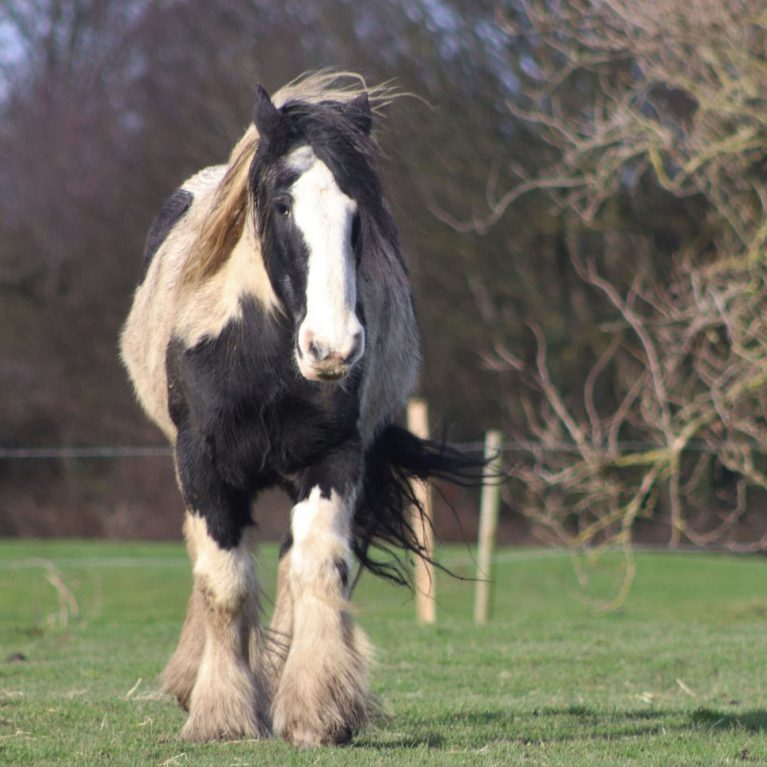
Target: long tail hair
x=388, y=512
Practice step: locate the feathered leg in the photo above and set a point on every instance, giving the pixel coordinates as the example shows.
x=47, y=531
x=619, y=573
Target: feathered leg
x=321, y=696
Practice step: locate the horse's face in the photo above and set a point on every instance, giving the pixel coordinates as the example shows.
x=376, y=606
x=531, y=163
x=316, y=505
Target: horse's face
x=309, y=223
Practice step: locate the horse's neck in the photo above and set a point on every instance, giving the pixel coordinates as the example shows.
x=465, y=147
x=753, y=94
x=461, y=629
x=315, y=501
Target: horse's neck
x=210, y=306
x=245, y=272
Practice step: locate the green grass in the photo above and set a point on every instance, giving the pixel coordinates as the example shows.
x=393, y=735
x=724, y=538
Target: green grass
x=677, y=676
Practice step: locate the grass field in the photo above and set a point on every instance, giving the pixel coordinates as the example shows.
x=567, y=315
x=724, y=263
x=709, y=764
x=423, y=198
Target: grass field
x=677, y=676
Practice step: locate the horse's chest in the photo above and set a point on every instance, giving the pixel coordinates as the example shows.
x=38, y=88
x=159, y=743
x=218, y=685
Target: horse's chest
x=281, y=430
x=244, y=398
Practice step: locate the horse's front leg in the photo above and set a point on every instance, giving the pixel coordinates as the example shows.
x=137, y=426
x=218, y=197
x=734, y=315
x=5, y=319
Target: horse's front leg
x=322, y=693
x=228, y=697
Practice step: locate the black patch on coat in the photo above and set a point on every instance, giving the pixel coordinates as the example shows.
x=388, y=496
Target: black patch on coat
x=171, y=211
x=286, y=544
x=339, y=470
x=343, y=572
x=248, y=420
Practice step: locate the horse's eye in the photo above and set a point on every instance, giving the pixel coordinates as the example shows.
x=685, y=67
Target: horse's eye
x=282, y=209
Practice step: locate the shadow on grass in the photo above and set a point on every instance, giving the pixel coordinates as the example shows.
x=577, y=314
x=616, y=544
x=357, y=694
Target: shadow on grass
x=751, y=721
x=567, y=724
x=429, y=740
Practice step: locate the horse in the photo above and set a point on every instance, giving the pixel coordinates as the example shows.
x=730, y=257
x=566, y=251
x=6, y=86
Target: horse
x=272, y=338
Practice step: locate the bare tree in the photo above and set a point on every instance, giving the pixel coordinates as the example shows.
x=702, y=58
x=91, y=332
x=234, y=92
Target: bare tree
x=656, y=122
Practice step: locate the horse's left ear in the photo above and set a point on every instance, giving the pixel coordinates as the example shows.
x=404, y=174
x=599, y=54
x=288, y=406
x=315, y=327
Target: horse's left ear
x=265, y=114
x=359, y=112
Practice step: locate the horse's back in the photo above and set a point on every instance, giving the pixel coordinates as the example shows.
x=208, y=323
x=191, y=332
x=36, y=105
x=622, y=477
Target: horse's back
x=149, y=326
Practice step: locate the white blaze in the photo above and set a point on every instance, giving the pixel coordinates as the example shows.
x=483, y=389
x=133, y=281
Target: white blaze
x=325, y=216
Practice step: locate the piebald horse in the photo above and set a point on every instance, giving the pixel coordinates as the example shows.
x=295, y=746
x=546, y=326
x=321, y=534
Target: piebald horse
x=273, y=340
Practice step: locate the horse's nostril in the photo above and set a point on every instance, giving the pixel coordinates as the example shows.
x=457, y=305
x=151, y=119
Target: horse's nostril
x=354, y=351
x=317, y=351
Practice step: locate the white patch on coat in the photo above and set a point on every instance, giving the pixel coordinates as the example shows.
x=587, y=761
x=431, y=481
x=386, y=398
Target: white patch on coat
x=230, y=573
x=320, y=530
x=325, y=215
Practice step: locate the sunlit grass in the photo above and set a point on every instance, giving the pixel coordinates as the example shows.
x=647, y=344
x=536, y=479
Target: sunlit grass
x=678, y=675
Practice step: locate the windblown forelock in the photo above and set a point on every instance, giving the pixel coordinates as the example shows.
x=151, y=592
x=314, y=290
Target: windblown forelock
x=343, y=147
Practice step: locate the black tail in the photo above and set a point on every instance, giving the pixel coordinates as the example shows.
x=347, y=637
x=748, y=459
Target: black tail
x=384, y=516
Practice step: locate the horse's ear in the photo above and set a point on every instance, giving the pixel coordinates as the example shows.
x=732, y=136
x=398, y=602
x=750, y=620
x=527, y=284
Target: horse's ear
x=358, y=111
x=265, y=114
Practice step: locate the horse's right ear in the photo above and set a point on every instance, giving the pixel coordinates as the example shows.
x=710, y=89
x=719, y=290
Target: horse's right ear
x=265, y=114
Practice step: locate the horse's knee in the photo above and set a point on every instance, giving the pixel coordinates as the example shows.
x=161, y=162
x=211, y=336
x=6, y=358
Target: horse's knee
x=226, y=578
x=321, y=555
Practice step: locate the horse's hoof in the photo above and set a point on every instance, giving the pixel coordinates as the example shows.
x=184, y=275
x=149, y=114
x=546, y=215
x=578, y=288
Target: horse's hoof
x=195, y=733
x=304, y=738
x=209, y=723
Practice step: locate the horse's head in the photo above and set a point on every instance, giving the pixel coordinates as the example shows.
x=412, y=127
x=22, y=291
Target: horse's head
x=313, y=184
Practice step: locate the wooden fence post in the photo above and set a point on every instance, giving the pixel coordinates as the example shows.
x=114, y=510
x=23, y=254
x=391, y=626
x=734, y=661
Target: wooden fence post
x=425, y=604
x=488, y=524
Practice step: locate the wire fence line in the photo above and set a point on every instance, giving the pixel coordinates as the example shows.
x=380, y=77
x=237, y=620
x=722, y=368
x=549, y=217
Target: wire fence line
x=98, y=452
x=92, y=452
x=451, y=560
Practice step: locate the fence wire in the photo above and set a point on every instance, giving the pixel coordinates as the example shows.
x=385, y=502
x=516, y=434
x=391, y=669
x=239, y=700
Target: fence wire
x=98, y=452
x=93, y=452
